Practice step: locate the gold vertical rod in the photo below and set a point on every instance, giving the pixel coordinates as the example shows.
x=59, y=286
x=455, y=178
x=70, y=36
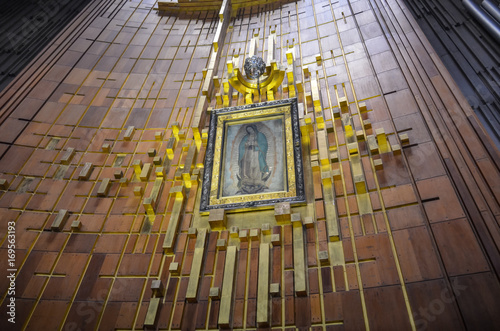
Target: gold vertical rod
x=263, y=286
x=194, y=276
x=299, y=259
x=169, y=242
x=227, y=288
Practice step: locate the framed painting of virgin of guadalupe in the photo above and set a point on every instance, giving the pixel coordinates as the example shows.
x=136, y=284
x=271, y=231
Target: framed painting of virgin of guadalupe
x=253, y=157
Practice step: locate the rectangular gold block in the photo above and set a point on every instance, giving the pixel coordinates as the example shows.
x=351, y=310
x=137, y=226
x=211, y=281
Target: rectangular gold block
x=157, y=287
x=405, y=140
x=334, y=156
x=324, y=257
x=299, y=260
x=271, y=41
x=216, y=81
x=76, y=225
x=158, y=135
x=276, y=239
x=308, y=222
x=86, y=171
x=137, y=165
x=270, y=95
x=68, y=155
x=60, y=220
x=157, y=160
x=315, y=93
x=282, y=212
x=266, y=228
x=234, y=232
x=289, y=57
x=194, y=276
x=323, y=148
x=214, y=293
x=218, y=99
x=243, y=235
x=360, y=184
x=396, y=149
x=145, y=172
x=118, y=174
x=138, y=191
x=160, y=172
x=352, y=148
x=263, y=286
x=372, y=145
x=217, y=219
x=382, y=141
x=152, y=313
x=343, y=104
x=229, y=66
x=305, y=70
x=360, y=135
x=106, y=148
x=192, y=233
x=173, y=225
x=300, y=86
x=171, y=144
x=248, y=99
x=226, y=303
x=221, y=244
x=367, y=124
x=329, y=204
x=4, y=184
x=149, y=207
x=274, y=289
x=104, y=187
x=174, y=268
x=151, y=152
x=362, y=107
x=254, y=234
x=157, y=187
x=129, y=133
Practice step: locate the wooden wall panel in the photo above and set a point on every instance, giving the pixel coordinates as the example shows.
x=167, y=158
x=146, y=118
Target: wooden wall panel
x=401, y=199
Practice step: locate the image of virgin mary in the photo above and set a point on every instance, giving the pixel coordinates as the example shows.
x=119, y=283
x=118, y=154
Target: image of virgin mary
x=253, y=169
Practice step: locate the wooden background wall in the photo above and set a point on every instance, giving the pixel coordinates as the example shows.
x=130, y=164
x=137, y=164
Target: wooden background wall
x=418, y=250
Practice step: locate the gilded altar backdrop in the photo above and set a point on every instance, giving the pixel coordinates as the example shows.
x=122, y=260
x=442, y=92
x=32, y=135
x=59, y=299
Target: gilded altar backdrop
x=104, y=141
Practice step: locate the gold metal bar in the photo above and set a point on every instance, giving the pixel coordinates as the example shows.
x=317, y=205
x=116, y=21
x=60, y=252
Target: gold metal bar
x=253, y=46
x=66, y=159
x=145, y=172
x=332, y=226
x=137, y=165
x=324, y=155
x=153, y=309
x=263, y=288
x=104, y=187
x=271, y=41
x=226, y=302
x=223, y=9
x=383, y=144
x=86, y=171
x=173, y=224
x=129, y=133
x=299, y=259
x=60, y=220
x=315, y=93
x=194, y=276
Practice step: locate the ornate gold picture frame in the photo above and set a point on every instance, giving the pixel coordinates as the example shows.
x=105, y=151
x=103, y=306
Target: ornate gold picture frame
x=253, y=157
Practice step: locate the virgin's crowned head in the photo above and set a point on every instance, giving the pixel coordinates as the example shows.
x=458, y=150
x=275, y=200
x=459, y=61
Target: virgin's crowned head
x=251, y=129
